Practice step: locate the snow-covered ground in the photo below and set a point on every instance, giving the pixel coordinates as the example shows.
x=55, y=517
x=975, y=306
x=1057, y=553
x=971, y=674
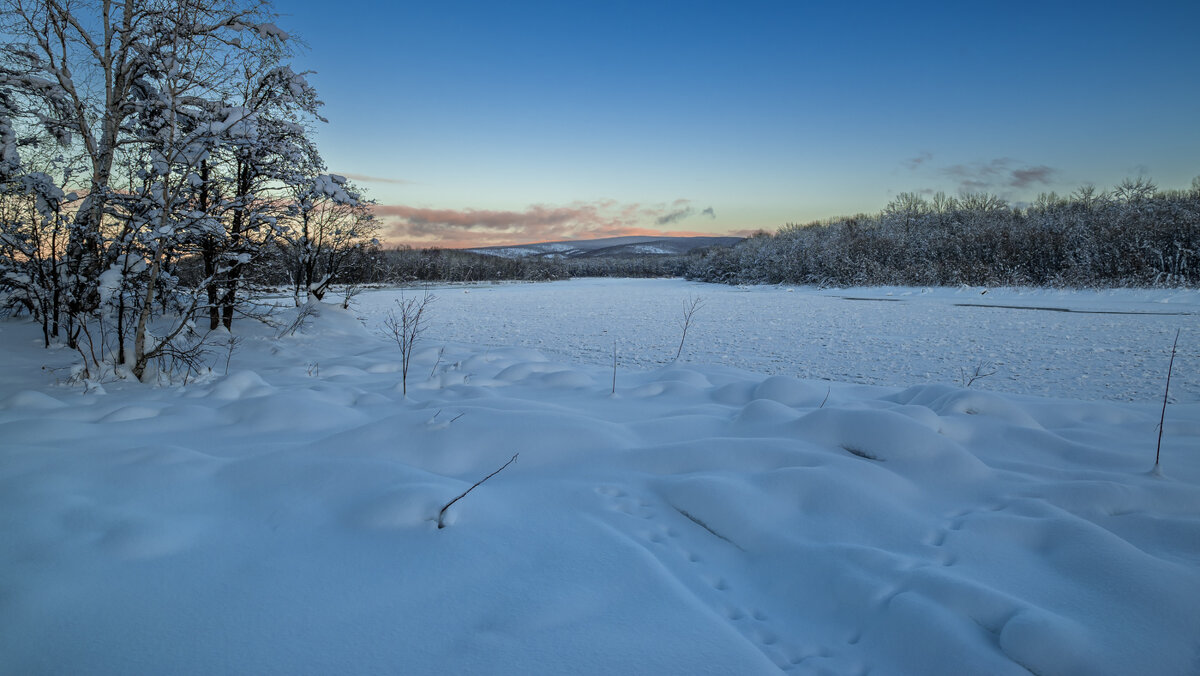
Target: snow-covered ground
x=708, y=518
x=1110, y=345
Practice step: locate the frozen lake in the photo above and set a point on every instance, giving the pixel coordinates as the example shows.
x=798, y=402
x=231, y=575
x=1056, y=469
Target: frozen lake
x=1106, y=345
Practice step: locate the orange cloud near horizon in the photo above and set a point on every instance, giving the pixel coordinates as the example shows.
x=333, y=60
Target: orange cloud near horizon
x=471, y=228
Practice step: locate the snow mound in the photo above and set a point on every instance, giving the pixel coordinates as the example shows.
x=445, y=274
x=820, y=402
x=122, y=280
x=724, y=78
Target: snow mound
x=790, y=392
x=241, y=385
x=946, y=400
x=31, y=399
x=764, y=412
x=1047, y=644
x=685, y=376
x=543, y=374
x=130, y=413
x=885, y=436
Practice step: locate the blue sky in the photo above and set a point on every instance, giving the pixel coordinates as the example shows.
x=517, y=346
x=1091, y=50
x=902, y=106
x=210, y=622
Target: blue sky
x=505, y=122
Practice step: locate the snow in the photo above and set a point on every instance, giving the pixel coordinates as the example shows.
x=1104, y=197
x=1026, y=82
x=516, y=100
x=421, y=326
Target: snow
x=881, y=336
x=729, y=513
x=650, y=250
x=266, y=30
x=332, y=186
x=550, y=250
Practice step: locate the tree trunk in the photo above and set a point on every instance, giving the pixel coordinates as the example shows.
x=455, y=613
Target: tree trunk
x=139, y=337
x=208, y=253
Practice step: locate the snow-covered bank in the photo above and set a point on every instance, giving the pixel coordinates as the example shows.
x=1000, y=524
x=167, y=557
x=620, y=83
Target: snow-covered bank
x=705, y=519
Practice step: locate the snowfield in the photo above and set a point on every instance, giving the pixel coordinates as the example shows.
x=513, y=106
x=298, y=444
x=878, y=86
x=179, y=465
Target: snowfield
x=806, y=490
x=1075, y=344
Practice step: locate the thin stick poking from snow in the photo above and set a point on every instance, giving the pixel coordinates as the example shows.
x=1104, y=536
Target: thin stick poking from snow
x=689, y=311
x=442, y=514
x=1163, y=418
x=433, y=370
x=614, y=387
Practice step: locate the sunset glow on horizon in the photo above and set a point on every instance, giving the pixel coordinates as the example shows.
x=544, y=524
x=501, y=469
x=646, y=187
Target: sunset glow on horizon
x=481, y=124
x=468, y=228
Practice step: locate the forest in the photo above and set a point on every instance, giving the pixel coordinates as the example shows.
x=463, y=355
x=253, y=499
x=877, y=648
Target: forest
x=1132, y=236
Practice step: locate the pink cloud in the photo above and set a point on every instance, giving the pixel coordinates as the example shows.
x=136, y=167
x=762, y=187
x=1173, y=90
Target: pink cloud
x=464, y=228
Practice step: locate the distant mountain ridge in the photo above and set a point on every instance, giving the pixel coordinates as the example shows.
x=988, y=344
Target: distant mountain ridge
x=607, y=247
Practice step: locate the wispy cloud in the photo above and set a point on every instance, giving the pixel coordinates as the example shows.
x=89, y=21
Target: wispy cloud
x=1023, y=178
x=915, y=163
x=455, y=228
x=363, y=178
x=999, y=173
x=682, y=209
x=675, y=216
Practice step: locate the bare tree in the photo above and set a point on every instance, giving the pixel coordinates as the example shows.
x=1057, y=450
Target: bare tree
x=404, y=324
x=690, y=306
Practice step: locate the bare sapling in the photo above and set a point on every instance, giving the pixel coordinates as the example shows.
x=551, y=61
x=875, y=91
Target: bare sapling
x=303, y=314
x=1163, y=416
x=441, y=352
x=690, y=306
x=352, y=290
x=441, y=522
x=231, y=345
x=404, y=324
x=982, y=370
x=614, y=384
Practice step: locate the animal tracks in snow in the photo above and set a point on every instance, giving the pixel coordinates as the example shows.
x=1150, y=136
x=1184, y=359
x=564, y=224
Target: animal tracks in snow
x=953, y=524
x=691, y=552
x=620, y=501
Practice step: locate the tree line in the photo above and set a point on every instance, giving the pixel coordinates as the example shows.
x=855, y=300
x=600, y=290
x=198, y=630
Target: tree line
x=374, y=264
x=1132, y=236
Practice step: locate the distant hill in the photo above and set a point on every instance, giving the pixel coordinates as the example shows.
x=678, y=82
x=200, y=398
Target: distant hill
x=608, y=247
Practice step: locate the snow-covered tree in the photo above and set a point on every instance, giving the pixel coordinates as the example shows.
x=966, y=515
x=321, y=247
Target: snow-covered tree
x=83, y=71
x=34, y=214
x=329, y=226
x=193, y=130
x=247, y=177
x=1137, y=235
